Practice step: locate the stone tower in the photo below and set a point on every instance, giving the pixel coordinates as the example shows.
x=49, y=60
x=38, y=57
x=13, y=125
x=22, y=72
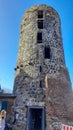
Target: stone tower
x=42, y=84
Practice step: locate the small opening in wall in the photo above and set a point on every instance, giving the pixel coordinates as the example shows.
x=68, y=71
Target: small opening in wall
x=40, y=84
x=17, y=67
x=21, y=65
x=35, y=118
x=40, y=24
x=40, y=14
x=40, y=68
x=39, y=37
x=47, y=53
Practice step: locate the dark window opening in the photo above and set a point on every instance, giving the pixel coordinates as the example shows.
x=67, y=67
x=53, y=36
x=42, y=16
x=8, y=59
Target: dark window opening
x=40, y=24
x=40, y=84
x=21, y=65
x=39, y=37
x=35, y=118
x=40, y=68
x=40, y=14
x=47, y=53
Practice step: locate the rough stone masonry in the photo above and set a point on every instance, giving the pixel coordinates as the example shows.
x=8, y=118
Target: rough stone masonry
x=42, y=84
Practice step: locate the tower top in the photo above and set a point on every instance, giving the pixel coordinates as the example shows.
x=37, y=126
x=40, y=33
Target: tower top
x=40, y=38
x=45, y=7
x=42, y=6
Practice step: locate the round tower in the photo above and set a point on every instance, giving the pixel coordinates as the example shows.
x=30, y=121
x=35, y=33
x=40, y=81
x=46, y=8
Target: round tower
x=41, y=77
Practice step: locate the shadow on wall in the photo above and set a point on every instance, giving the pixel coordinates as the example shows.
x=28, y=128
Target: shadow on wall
x=60, y=95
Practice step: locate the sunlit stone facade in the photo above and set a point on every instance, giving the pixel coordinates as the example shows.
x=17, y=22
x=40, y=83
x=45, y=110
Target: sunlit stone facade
x=42, y=84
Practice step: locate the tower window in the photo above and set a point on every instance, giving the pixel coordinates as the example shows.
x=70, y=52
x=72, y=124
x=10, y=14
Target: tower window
x=39, y=37
x=40, y=24
x=40, y=68
x=40, y=84
x=40, y=14
x=47, y=53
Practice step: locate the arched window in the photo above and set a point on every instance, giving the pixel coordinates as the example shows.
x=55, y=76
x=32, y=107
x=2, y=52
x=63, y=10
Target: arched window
x=47, y=52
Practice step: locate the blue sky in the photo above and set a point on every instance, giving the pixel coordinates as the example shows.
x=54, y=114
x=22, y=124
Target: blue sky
x=11, y=13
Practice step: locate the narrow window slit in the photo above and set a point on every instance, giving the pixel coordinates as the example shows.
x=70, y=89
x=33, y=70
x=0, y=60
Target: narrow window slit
x=40, y=14
x=39, y=37
x=47, y=53
x=40, y=68
x=40, y=24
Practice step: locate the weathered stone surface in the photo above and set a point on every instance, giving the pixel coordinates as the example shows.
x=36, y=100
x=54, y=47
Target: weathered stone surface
x=59, y=95
x=41, y=81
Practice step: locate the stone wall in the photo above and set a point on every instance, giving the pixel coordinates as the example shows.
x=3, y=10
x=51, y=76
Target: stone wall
x=31, y=52
x=41, y=81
